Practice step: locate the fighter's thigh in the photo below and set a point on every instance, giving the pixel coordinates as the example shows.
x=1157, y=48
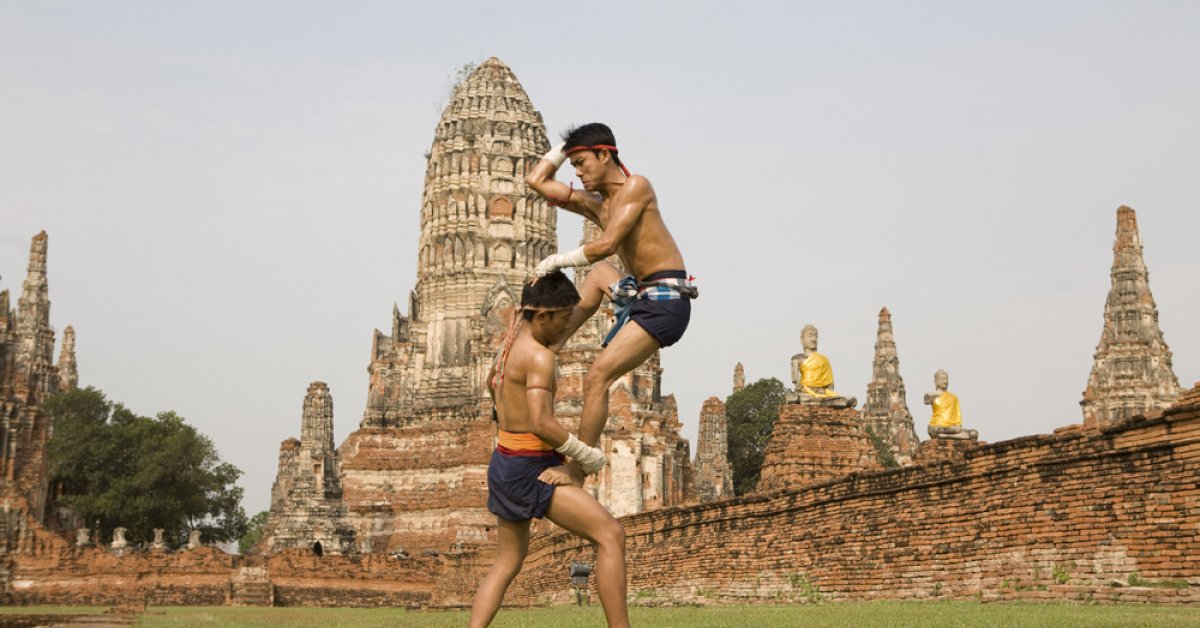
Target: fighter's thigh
x=630, y=348
x=575, y=510
x=513, y=540
x=601, y=276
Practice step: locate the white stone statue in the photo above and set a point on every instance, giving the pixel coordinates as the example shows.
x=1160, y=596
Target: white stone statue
x=158, y=543
x=83, y=537
x=119, y=542
x=193, y=541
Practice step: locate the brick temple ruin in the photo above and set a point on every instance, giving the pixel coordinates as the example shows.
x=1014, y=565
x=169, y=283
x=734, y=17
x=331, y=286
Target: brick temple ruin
x=1106, y=510
x=413, y=476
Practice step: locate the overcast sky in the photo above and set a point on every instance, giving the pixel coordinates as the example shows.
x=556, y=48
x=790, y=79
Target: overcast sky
x=232, y=189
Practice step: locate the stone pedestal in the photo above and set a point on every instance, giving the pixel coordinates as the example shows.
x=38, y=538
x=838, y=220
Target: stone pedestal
x=812, y=443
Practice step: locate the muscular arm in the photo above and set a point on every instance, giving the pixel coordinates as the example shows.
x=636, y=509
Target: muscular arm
x=628, y=207
x=542, y=180
x=539, y=381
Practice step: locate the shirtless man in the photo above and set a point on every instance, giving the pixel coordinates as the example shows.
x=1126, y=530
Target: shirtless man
x=654, y=303
x=526, y=478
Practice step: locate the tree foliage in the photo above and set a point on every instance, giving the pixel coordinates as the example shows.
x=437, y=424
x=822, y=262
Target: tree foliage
x=254, y=532
x=751, y=414
x=140, y=473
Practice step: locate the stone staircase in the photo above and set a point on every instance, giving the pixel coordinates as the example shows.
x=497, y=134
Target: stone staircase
x=251, y=586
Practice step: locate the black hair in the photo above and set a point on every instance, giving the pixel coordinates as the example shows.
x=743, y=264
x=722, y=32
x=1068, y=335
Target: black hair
x=553, y=291
x=590, y=134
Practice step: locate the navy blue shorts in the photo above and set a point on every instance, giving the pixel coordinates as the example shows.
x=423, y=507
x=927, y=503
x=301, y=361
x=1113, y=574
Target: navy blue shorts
x=664, y=320
x=514, y=492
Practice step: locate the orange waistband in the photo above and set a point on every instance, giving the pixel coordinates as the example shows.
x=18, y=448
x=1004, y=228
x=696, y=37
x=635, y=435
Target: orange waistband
x=522, y=441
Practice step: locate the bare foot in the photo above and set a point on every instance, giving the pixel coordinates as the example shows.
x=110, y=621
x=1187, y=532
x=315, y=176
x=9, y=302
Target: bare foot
x=563, y=475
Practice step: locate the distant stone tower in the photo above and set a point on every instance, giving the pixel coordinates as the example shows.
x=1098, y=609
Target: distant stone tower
x=739, y=378
x=68, y=370
x=306, y=499
x=886, y=411
x=27, y=377
x=1132, y=372
x=713, y=473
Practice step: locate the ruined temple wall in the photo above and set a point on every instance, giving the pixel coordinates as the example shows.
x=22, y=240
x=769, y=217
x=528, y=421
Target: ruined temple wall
x=301, y=579
x=417, y=488
x=1003, y=520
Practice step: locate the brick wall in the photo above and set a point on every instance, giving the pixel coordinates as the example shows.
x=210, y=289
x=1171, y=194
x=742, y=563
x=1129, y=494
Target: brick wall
x=1078, y=514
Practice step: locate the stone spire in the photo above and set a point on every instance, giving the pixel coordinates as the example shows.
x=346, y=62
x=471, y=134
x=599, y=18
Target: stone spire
x=1132, y=372
x=886, y=411
x=713, y=473
x=68, y=370
x=739, y=378
x=34, y=340
x=481, y=225
x=316, y=438
x=306, y=499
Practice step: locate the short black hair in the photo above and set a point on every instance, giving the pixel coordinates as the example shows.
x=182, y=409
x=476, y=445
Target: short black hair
x=553, y=291
x=590, y=134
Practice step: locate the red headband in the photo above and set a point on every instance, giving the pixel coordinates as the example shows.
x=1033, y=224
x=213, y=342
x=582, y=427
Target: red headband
x=611, y=149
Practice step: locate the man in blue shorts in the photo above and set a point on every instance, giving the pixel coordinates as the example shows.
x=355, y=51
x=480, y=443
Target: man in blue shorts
x=525, y=479
x=653, y=303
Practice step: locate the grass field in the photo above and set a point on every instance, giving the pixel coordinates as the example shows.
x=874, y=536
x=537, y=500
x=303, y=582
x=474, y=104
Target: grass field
x=867, y=614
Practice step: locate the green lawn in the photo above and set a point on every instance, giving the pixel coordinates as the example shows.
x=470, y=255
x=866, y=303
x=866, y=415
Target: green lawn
x=883, y=614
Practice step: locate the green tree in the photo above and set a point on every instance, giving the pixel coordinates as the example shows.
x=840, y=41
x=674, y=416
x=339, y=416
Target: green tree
x=140, y=473
x=254, y=532
x=752, y=412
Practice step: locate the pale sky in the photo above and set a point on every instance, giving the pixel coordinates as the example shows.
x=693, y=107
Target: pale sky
x=232, y=189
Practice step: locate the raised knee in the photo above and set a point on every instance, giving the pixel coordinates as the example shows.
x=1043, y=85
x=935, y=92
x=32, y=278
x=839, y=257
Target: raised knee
x=612, y=535
x=595, y=381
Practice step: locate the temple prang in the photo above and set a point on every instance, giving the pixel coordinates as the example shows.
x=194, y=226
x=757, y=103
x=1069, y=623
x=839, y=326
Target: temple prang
x=28, y=376
x=306, y=499
x=712, y=471
x=885, y=411
x=1132, y=372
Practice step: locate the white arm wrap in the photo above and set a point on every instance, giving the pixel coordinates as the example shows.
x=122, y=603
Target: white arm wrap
x=556, y=155
x=561, y=260
x=590, y=459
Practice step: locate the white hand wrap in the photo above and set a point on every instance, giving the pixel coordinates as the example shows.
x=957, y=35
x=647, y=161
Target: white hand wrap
x=590, y=459
x=561, y=260
x=556, y=155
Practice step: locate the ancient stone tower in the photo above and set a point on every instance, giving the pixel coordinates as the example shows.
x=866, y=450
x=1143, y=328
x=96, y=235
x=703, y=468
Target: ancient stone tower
x=68, y=370
x=885, y=411
x=1132, y=372
x=306, y=500
x=27, y=377
x=713, y=473
x=739, y=378
x=482, y=232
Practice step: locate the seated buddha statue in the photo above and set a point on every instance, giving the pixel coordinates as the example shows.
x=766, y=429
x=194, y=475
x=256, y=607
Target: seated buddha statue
x=947, y=417
x=813, y=376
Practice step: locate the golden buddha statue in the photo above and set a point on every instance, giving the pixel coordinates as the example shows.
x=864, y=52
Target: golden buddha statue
x=813, y=375
x=946, y=421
